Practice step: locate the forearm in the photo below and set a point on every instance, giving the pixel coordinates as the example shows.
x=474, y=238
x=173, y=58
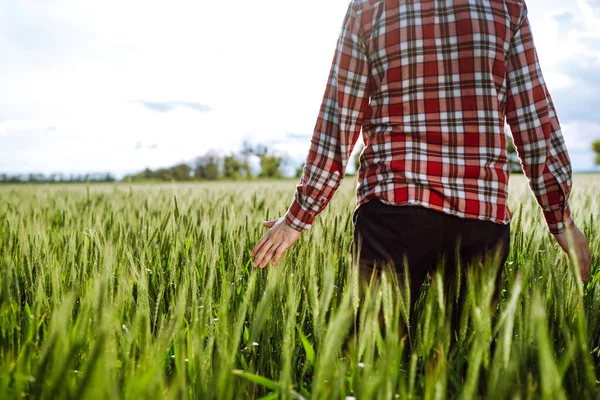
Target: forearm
x=323, y=172
x=313, y=194
x=547, y=165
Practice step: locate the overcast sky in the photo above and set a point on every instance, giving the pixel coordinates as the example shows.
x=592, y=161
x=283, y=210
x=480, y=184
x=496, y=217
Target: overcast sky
x=120, y=85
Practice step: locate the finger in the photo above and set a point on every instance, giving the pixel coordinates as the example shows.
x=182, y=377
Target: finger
x=269, y=256
x=584, y=268
x=588, y=266
x=585, y=277
x=269, y=224
x=588, y=258
x=258, y=260
x=260, y=244
x=280, y=251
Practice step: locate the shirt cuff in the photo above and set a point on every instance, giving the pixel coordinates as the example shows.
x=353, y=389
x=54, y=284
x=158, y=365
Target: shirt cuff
x=559, y=221
x=298, y=218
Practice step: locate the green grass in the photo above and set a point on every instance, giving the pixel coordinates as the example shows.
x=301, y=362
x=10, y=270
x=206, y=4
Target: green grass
x=146, y=291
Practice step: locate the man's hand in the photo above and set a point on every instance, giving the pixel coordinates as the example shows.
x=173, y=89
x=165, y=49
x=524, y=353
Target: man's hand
x=274, y=243
x=581, y=247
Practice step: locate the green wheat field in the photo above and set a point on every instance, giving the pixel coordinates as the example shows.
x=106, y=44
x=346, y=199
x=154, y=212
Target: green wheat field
x=147, y=292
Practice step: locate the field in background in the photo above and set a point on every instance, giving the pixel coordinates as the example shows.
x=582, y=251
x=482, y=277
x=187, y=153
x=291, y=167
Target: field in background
x=146, y=291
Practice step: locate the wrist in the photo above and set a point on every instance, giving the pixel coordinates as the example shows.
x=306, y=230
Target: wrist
x=559, y=222
x=297, y=218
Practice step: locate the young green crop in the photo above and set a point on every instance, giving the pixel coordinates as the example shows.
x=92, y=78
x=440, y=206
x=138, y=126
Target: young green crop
x=147, y=291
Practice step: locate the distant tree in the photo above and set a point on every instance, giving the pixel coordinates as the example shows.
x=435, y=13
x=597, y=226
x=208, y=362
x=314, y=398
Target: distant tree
x=246, y=152
x=36, y=178
x=232, y=167
x=146, y=174
x=181, y=172
x=270, y=163
x=514, y=163
x=300, y=171
x=163, y=174
x=357, y=158
x=260, y=150
x=246, y=170
x=207, y=167
x=596, y=148
x=270, y=166
x=56, y=178
x=13, y=179
x=247, y=148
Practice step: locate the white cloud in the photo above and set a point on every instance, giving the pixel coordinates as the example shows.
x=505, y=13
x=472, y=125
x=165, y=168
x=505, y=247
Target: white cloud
x=565, y=32
x=19, y=126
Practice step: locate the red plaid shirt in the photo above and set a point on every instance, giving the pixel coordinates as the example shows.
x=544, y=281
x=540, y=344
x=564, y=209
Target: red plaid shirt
x=431, y=84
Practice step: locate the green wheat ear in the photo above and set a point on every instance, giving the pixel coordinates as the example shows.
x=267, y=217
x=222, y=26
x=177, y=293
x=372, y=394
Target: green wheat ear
x=146, y=291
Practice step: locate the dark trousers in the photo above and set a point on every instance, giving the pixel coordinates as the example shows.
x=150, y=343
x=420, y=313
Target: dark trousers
x=387, y=235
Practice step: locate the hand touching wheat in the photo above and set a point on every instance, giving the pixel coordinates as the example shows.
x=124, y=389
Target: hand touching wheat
x=274, y=243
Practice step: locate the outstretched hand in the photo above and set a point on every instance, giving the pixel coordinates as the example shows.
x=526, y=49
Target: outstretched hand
x=575, y=240
x=274, y=243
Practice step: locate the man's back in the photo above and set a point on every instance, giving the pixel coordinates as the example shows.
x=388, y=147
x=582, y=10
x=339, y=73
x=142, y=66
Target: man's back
x=435, y=125
x=431, y=83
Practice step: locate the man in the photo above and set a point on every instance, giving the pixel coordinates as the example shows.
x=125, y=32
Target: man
x=431, y=84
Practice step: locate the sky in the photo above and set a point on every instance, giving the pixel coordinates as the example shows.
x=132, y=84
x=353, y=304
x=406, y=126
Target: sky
x=118, y=86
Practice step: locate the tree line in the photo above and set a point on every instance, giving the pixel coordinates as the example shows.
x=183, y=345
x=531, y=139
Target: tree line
x=213, y=166
x=210, y=166
x=57, y=178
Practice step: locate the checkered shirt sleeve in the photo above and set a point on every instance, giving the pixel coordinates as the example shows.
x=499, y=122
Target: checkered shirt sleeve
x=536, y=130
x=338, y=125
